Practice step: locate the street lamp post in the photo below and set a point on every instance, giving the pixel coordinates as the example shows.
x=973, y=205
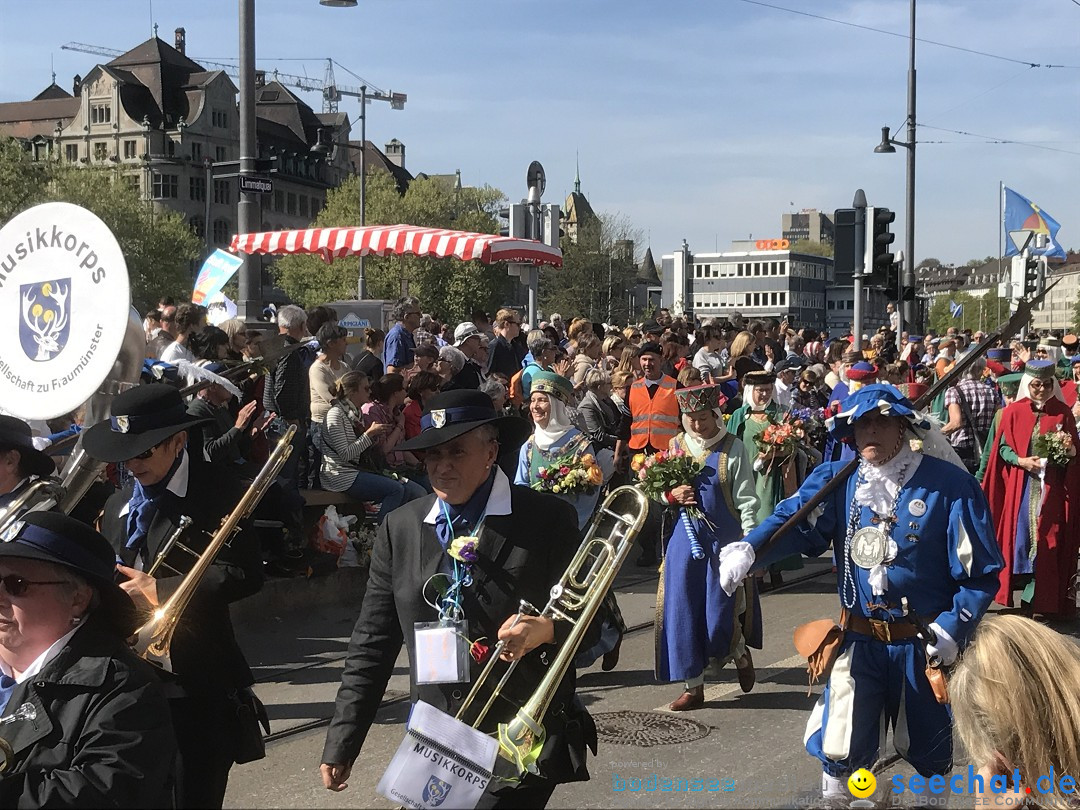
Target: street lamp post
x=397, y=102
x=361, y=281
x=907, y=308
x=249, y=307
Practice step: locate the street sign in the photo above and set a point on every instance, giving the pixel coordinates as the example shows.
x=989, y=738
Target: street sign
x=251, y=184
x=354, y=321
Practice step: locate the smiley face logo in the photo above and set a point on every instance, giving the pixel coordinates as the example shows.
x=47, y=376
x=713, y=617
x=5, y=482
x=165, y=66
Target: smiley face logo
x=862, y=783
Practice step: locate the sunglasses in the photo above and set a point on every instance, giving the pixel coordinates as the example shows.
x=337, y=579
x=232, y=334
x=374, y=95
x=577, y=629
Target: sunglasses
x=17, y=586
x=145, y=454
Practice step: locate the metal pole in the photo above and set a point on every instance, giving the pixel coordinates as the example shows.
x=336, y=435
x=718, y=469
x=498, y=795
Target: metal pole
x=209, y=166
x=249, y=307
x=860, y=264
x=361, y=281
x=909, y=242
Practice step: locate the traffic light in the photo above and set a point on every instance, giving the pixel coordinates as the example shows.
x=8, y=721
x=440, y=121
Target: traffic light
x=1034, y=277
x=844, y=243
x=892, y=281
x=515, y=216
x=878, y=238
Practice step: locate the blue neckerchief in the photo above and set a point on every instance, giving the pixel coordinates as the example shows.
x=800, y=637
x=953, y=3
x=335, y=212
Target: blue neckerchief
x=143, y=506
x=464, y=517
x=7, y=686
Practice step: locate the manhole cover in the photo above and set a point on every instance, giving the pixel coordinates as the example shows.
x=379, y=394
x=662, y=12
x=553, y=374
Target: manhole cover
x=647, y=729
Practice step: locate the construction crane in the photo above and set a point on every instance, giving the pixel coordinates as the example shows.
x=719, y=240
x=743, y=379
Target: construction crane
x=288, y=79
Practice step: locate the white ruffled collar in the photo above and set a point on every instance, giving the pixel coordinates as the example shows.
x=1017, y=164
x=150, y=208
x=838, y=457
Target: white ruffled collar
x=878, y=484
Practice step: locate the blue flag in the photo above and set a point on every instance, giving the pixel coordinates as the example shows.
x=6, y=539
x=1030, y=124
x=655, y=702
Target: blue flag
x=1022, y=216
x=955, y=309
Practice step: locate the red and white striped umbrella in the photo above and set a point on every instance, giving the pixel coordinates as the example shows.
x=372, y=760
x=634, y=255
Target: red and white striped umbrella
x=399, y=240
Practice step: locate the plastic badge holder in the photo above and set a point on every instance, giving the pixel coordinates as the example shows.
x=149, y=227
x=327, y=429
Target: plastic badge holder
x=442, y=652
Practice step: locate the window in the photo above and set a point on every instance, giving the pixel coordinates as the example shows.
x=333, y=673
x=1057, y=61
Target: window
x=196, y=152
x=221, y=231
x=129, y=149
x=71, y=153
x=197, y=188
x=100, y=113
x=133, y=181
x=198, y=227
x=303, y=205
x=290, y=203
x=165, y=186
x=171, y=147
x=100, y=151
x=220, y=154
x=219, y=118
x=221, y=192
x=316, y=206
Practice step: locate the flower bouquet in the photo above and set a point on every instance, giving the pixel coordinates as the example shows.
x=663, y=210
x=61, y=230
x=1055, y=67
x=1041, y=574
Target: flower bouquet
x=813, y=424
x=662, y=472
x=1054, y=446
x=780, y=440
x=570, y=476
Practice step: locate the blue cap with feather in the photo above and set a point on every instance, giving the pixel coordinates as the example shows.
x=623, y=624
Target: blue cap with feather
x=877, y=398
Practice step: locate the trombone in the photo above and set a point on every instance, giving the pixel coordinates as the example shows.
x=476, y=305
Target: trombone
x=575, y=598
x=153, y=641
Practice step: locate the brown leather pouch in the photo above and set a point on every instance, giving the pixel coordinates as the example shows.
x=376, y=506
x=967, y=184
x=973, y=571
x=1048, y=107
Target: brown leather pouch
x=936, y=677
x=818, y=642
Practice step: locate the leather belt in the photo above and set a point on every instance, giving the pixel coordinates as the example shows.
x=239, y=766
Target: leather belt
x=886, y=631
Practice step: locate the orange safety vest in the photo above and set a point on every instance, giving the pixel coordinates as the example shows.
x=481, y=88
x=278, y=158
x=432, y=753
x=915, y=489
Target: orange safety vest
x=655, y=420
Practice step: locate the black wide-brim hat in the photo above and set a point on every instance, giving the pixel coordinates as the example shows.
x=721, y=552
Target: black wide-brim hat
x=453, y=413
x=62, y=540
x=143, y=417
x=16, y=433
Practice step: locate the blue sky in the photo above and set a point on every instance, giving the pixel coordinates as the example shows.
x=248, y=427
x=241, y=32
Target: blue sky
x=701, y=120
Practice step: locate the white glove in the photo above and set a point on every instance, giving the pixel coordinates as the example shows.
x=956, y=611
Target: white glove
x=812, y=518
x=946, y=647
x=735, y=560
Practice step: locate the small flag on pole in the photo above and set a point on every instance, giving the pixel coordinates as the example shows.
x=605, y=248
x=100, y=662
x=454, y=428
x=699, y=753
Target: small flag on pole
x=955, y=309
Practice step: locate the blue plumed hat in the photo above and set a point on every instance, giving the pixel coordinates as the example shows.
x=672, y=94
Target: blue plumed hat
x=876, y=398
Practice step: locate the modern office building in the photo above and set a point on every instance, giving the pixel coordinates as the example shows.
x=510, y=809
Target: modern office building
x=807, y=224
x=753, y=283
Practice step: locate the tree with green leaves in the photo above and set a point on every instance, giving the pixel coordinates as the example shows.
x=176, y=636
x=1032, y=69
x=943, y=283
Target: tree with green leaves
x=447, y=287
x=158, y=246
x=597, y=273
x=811, y=247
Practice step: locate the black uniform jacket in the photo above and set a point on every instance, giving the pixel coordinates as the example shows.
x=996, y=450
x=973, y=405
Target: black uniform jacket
x=205, y=656
x=521, y=556
x=102, y=736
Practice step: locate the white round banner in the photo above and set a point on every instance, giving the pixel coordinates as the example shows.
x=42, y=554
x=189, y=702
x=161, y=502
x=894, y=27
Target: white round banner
x=64, y=303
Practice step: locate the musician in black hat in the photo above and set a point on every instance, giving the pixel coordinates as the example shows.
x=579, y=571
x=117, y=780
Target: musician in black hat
x=83, y=721
x=19, y=459
x=525, y=542
x=148, y=434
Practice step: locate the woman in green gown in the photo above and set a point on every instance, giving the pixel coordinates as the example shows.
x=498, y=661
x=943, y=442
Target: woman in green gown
x=774, y=478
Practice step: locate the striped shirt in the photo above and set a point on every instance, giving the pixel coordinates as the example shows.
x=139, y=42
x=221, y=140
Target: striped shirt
x=341, y=447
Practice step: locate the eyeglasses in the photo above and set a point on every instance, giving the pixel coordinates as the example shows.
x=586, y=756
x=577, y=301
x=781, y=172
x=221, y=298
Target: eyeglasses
x=1038, y=384
x=145, y=454
x=17, y=586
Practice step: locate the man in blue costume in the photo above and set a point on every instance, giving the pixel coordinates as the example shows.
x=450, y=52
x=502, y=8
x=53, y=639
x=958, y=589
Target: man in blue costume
x=911, y=524
x=700, y=626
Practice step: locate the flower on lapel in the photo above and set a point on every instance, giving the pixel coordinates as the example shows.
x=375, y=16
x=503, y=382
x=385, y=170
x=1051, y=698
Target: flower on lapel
x=463, y=549
x=916, y=445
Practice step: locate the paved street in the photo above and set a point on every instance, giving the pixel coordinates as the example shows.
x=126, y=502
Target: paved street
x=754, y=740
